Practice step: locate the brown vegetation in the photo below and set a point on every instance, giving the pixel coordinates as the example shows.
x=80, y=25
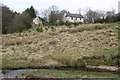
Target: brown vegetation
x=92, y=46
x=85, y=27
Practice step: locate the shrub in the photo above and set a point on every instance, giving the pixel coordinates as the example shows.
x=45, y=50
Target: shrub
x=76, y=24
x=46, y=28
x=39, y=29
x=18, y=43
x=99, y=20
x=53, y=28
x=61, y=23
x=29, y=30
x=68, y=24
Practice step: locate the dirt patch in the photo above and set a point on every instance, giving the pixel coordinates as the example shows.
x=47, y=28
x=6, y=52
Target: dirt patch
x=109, y=68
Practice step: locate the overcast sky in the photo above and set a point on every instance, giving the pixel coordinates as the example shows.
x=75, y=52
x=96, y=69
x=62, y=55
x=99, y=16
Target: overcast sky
x=69, y=5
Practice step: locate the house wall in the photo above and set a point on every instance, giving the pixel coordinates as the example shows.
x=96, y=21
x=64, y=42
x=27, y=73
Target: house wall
x=72, y=19
x=37, y=22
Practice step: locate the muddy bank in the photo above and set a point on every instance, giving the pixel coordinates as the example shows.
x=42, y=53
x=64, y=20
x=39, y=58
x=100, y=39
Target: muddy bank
x=12, y=73
x=88, y=68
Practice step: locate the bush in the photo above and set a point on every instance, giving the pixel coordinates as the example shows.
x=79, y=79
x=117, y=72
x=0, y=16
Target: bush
x=61, y=23
x=99, y=21
x=53, y=29
x=39, y=29
x=46, y=28
x=68, y=24
x=29, y=30
x=76, y=24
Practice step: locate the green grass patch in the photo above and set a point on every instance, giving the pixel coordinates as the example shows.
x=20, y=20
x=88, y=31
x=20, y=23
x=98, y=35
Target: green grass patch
x=68, y=74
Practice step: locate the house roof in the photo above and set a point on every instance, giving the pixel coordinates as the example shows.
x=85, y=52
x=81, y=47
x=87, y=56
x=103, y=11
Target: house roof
x=118, y=14
x=74, y=15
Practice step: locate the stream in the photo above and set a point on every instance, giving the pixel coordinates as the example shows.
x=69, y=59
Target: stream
x=13, y=73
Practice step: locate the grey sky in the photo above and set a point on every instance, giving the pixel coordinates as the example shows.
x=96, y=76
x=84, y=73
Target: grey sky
x=70, y=5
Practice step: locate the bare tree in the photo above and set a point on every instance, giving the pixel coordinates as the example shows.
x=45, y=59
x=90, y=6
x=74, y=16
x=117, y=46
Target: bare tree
x=91, y=16
x=79, y=11
x=109, y=17
x=53, y=8
x=53, y=14
x=45, y=13
x=100, y=14
x=49, y=13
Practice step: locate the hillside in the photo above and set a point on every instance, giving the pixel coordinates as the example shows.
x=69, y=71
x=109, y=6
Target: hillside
x=85, y=45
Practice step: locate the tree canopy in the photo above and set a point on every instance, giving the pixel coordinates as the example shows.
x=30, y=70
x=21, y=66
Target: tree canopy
x=31, y=11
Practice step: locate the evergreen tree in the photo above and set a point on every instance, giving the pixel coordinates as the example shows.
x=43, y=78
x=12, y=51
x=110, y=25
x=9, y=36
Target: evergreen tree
x=31, y=11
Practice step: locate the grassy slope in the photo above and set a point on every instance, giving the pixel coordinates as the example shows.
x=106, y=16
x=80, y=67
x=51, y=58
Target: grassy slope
x=69, y=48
x=65, y=74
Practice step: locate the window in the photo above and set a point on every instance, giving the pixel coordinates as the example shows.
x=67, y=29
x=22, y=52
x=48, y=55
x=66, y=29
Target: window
x=72, y=18
x=76, y=18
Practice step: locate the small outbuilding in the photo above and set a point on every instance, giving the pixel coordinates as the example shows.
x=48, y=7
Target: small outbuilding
x=37, y=22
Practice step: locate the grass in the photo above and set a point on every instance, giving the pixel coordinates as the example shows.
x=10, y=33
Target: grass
x=83, y=45
x=85, y=27
x=66, y=74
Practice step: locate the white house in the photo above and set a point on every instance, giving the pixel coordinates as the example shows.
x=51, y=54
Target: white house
x=73, y=18
x=37, y=22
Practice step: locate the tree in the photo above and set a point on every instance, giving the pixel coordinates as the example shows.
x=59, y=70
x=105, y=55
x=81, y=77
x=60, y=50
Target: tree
x=116, y=17
x=7, y=18
x=100, y=20
x=31, y=11
x=53, y=8
x=21, y=22
x=110, y=17
x=16, y=22
x=92, y=16
x=54, y=14
x=45, y=14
